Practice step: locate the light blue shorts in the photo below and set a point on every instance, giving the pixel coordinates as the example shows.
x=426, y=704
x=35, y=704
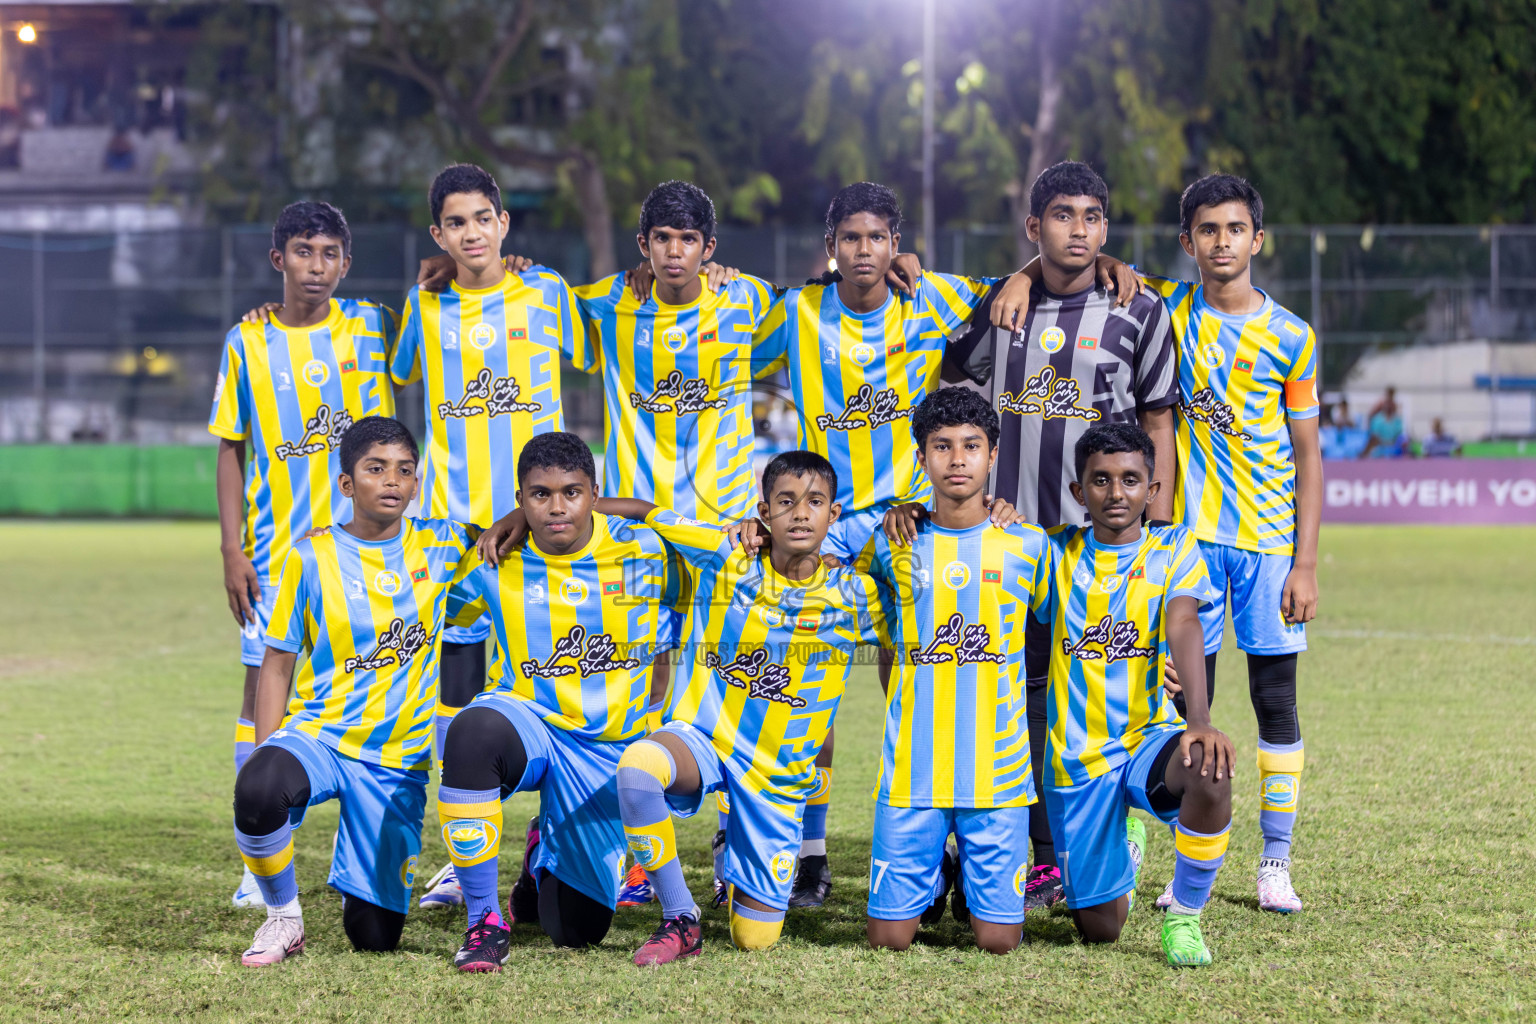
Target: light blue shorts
x=379, y=838
x=581, y=836
x=907, y=855
x=1257, y=583
x=253, y=639
x=762, y=836
x=1088, y=824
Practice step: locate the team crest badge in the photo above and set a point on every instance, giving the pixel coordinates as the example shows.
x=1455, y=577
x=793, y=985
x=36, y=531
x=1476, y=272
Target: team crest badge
x=408, y=871
x=482, y=336
x=573, y=591
x=647, y=849
x=1110, y=584
x=674, y=339
x=387, y=583
x=1212, y=355
x=783, y=866
x=1052, y=338
x=1020, y=877
x=469, y=837
x=862, y=354
x=957, y=575
x=1280, y=791
x=316, y=373
x=771, y=617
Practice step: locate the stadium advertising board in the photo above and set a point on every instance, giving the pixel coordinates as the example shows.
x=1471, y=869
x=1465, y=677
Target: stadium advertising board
x=1484, y=492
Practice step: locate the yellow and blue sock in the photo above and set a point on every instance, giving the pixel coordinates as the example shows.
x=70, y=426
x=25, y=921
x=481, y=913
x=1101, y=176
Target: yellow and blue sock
x=645, y=772
x=245, y=741
x=1197, y=857
x=270, y=858
x=471, y=820
x=1279, y=794
x=752, y=928
x=813, y=841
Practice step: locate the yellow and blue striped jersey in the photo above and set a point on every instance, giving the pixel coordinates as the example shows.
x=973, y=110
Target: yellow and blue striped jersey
x=576, y=633
x=292, y=392
x=677, y=390
x=1109, y=641
x=765, y=658
x=1242, y=378
x=370, y=615
x=856, y=377
x=489, y=363
x=957, y=602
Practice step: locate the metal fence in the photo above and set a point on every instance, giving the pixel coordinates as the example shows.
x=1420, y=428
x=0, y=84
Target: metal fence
x=115, y=337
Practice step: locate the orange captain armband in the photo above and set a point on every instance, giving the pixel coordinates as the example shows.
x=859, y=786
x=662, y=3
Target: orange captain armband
x=1301, y=395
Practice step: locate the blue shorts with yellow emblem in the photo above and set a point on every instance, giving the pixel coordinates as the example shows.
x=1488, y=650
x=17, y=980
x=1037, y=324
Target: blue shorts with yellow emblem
x=253, y=639
x=1257, y=583
x=762, y=836
x=379, y=837
x=1088, y=824
x=581, y=836
x=847, y=537
x=906, y=860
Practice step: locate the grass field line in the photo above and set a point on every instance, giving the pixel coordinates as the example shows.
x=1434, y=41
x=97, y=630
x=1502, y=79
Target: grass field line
x=1455, y=638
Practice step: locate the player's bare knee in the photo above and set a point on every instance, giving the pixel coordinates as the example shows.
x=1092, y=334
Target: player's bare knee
x=996, y=938
x=897, y=935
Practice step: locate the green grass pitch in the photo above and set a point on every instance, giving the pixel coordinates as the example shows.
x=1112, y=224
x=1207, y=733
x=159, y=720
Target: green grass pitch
x=119, y=683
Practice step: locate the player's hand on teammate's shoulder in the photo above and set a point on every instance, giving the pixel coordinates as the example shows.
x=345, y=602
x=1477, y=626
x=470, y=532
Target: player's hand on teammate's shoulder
x=242, y=586
x=1003, y=513
x=905, y=274
x=901, y=522
x=717, y=276
x=1298, y=602
x=831, y=561
x=437, y=272
x=263, y=313
x=316, y=531
x=1011, y=304
x=750, y=535
x=1217, y=753
x=639, y=279
x=1119, y=278
x=504, y=535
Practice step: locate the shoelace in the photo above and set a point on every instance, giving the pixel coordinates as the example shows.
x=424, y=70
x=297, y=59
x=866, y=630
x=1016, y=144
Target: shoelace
x=672, y=924
x=1038, y=878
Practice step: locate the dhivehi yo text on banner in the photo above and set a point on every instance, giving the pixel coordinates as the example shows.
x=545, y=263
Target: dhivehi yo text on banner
x=1465, y=492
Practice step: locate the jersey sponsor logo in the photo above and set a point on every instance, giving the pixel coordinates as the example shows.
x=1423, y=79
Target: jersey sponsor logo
x=470, y=837
x=674, y=339
x=1052, y=338
x=1203, y=407
x=1213, y=355
x=782, y=866
x=968, y=644
x=408, y=871
x=755, y=674
x=535, y=593
x=1115, y=641
x=284, y=382
x=355, y=590
x=316, y=373
x=956, y=576
x=593, y=654
x=862, y=354
x=881, y=407
x=573, y=591
x=482, y=336
x=498, y=396
x=688, y=394
x=387, y=582
x=1110, y=584
x=1047, y=395
x=396, y=644
x=322, y=432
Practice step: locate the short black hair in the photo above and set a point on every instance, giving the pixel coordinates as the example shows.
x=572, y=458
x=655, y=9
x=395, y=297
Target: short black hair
x=306, y=219
x=1068, y=178
x=798, y=463
x=864, y=197
x=678, y=204
x=557, y=450
x=953, y=407
x=465, y=178
x=1112, y=438
x=372, y=430
x=1215, y=189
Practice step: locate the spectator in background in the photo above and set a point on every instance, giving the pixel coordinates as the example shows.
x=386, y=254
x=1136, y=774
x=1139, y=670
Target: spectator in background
x=1340, y=415
x=1439, y=444
x=1385, y=424
x=1339, y=436
x=119, y=155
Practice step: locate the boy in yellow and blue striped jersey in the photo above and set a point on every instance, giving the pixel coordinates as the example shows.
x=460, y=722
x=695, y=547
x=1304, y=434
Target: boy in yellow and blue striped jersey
x=768, y=644
x=1123, y=598
x=487, y=352
x=1252, y=483
x=579, y=611
x=289, y=387
x=956, y=753
x=860, y=357
x=365, y=602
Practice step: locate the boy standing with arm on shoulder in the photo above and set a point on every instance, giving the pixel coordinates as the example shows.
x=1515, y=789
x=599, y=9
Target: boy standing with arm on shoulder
x=289, y=386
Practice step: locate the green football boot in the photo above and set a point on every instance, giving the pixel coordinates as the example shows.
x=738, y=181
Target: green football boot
x=1183, y=944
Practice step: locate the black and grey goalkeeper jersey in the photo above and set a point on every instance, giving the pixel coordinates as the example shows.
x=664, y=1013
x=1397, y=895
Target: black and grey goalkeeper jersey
x=1078, y=361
